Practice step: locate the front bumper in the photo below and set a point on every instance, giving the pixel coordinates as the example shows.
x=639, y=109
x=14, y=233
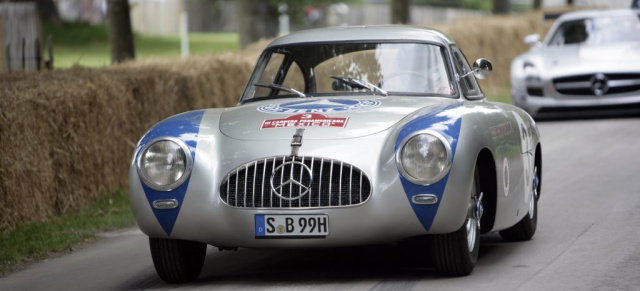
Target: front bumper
x=559, y=105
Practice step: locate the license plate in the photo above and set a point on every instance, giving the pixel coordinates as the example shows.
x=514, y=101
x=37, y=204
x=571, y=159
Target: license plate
x=292, y=226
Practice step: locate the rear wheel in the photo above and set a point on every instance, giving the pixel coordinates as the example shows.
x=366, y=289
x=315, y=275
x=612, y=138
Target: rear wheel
x=526, y=227
x=456, y=253
x=177, y=261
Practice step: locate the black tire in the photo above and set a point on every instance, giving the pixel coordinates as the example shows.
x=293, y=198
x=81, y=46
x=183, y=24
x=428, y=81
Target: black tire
x=523, y=230
x=526, y=227
x=177, y=261
x=452, y=253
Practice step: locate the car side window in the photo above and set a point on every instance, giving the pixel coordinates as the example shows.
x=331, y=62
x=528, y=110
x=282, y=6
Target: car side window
x=468, y=84
x=570, y=32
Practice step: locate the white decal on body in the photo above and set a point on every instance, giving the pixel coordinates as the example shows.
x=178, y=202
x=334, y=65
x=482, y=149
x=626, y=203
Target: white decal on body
x=527, y=158
x=319, y=106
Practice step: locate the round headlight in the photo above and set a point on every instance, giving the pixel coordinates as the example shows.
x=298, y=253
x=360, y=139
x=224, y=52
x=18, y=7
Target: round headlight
x=531, y=73
x=424, y=158
x=165, y=163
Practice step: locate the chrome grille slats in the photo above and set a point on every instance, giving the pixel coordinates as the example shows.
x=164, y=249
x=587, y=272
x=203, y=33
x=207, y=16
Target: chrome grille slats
x=255, y=169
x=330, y=183
x=264, y=170
x=327, y=183
x=360, y=186
x=320, y=187
x=340, y=185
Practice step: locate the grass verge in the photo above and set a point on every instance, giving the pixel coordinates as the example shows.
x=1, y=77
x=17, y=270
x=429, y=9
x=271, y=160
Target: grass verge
x=37, y=239
x=88, y=45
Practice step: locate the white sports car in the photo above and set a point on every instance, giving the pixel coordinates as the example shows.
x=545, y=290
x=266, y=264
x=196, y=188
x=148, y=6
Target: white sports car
x=343, y=137
x=588, y=64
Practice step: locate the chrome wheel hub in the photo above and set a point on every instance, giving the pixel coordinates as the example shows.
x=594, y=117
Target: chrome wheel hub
x=534, y=191
x=473, y=221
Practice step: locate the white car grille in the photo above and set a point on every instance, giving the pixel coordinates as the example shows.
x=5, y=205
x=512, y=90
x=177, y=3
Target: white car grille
x=597, y=84
x=320, y=183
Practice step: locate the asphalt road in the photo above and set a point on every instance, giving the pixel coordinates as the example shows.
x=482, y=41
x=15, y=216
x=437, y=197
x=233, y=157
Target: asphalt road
x=588, y=239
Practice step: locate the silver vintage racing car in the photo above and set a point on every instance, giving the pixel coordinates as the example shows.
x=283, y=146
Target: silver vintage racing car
x=588, y=64
x=343, y=137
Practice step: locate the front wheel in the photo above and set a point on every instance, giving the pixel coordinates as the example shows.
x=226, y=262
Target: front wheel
x=177, y=261
x=456, y=253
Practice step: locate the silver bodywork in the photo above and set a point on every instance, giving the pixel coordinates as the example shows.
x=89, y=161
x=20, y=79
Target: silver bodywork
x=226, y=141
x=580, y=76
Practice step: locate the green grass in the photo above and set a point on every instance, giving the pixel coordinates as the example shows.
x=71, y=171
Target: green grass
x=500, y=98
x=88, y=46
x=37, y=239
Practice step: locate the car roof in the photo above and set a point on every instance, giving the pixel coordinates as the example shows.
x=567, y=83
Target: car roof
x=364, y=33
x=596, y=13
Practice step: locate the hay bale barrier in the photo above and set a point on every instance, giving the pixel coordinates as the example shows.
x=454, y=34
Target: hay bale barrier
x=67, y=136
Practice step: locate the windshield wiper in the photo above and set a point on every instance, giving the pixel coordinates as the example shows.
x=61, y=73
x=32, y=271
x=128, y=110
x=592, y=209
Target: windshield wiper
x=282, y=88
x=362, y=84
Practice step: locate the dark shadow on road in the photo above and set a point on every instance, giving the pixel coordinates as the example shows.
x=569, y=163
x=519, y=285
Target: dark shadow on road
x=296, y=268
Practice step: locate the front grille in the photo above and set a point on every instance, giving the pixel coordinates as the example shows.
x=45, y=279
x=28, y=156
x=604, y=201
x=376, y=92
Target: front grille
x=582, y=84
x=322, y=183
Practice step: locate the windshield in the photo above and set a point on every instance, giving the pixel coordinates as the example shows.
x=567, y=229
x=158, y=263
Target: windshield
x=351, y=68
x=594, y=31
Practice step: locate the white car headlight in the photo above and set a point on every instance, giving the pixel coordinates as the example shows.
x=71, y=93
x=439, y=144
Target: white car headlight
x=424, y=157
x=531, y=73
x=164, y=163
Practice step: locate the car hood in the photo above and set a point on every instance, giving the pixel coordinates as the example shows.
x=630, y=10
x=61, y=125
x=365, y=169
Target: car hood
x=617, y=57
x=322, y=118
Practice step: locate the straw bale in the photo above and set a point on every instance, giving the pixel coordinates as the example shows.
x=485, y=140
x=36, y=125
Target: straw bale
x=68, y=135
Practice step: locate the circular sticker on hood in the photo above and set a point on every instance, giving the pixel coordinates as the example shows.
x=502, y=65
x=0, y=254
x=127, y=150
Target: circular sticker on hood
x=319, y=106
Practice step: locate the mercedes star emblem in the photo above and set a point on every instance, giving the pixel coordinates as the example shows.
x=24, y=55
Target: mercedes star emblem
x=294, y=187
x=599, y=84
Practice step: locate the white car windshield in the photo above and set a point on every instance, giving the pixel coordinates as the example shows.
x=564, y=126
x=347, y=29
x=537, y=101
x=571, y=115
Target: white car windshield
x=352, y=68
x=595, y=31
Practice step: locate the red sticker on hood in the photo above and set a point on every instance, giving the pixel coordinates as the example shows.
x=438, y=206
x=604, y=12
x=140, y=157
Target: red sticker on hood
x=306, y=120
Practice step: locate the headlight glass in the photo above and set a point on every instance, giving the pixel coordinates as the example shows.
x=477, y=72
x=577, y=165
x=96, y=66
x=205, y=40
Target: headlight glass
x=164, y=164
x=531, y=73
x=425, y=158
